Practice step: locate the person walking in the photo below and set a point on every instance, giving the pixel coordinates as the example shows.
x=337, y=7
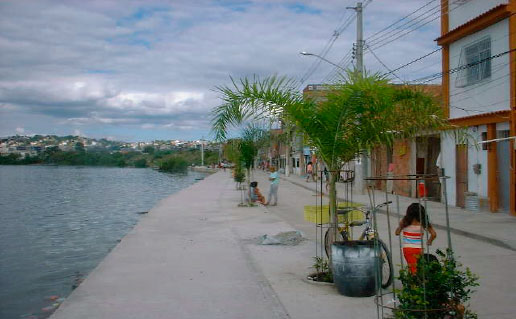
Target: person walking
x=309, y=170
x=273, y=191
x=412, y=227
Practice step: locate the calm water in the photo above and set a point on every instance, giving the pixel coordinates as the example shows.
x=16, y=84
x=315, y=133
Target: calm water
x=57, y=223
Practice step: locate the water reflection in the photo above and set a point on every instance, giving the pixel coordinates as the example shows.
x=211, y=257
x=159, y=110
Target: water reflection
x=57, y=223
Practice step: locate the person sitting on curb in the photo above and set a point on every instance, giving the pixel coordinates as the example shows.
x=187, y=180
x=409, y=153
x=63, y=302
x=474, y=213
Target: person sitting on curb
x=255, y=194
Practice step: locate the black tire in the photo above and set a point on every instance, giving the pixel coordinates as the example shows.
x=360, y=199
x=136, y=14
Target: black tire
x=328, y=240
x=387, y=272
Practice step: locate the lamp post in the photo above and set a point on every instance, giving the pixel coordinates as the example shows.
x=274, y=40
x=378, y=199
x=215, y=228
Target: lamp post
x=322, y=58
x=365, y=163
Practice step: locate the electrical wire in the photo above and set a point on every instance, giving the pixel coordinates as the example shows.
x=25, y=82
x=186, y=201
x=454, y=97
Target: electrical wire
x=459, y=68
x=335, y=73
x=383, y=37
x=385, y=66
x=328, y=47
x=387, y=36
x=394, y=23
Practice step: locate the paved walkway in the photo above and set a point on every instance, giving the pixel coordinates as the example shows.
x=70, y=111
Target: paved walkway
x=497, y=229
x=195, y=255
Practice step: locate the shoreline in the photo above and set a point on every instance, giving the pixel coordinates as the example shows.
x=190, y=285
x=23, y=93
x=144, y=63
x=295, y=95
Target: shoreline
x=195, y=256
x=80, y=217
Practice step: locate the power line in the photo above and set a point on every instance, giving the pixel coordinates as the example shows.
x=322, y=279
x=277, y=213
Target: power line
x=413, y=61
x=384, y=37
x=334, y=72
x=385, y=66
x=388, y=39
x=460, y=68
x=334, y=38
x=338, y=31
x=394, y=23
x=439, y=49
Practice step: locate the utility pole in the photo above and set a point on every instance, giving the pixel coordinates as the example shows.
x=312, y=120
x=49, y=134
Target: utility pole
x=360, y=40
x=360, y=70
x=202, y=151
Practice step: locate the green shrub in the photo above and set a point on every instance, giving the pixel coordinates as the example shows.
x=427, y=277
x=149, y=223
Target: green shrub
x=239, y=175
x=173, y=164
x=140, y=163
x=437, y=284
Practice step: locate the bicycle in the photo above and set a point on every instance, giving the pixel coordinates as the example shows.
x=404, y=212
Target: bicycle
x=344, y=234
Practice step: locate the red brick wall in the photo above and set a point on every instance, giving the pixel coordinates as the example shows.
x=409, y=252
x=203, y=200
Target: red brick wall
x=401, y=160
x=379, y=165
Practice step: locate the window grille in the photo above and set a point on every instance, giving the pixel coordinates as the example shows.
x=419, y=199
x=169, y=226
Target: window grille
x=473, y=70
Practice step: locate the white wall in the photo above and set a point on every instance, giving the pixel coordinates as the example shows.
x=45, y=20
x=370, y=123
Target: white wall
x=491, y=94
x=461, y=11
x=477, y=183
x=448, y=163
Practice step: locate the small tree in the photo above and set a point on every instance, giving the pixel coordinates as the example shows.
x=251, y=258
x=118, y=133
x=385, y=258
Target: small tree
x=359, y=114
x=438, y=288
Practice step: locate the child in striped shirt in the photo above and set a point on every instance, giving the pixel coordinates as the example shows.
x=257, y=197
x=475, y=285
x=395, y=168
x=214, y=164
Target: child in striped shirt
x=412, y=227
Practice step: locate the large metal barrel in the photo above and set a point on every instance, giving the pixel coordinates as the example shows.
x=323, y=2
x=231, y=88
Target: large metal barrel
x=354, y=267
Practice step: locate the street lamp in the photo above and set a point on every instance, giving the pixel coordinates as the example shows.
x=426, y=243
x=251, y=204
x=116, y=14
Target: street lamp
x=324, y=59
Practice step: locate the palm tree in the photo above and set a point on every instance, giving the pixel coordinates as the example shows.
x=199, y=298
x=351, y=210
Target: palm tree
x=244, y=150
x=357, y=115
x=253, y=138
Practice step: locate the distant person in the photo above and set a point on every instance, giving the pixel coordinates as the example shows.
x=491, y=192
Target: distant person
x=273, y=191
x=255, y=194
x=309, y=170
x=412, y=227
x=326, y=177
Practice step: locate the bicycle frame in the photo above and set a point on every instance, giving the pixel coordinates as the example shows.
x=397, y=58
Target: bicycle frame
x=368, y=232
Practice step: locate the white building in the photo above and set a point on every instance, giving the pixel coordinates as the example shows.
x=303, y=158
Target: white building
x=478, y=38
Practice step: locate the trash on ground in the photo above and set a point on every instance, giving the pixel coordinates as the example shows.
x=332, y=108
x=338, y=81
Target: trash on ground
x=290, y=238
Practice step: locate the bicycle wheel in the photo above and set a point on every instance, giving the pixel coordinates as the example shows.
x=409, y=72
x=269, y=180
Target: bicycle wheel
x=386, y=264
x=328, y=239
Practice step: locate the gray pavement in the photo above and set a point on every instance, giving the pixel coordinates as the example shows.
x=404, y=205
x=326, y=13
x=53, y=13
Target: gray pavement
x=495, y=228
x=195, y=256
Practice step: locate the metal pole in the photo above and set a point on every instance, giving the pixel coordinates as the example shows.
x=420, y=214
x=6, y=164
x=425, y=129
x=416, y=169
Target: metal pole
x=202, y=153
x=360, y=41
x=360, y=70
x=445, y=194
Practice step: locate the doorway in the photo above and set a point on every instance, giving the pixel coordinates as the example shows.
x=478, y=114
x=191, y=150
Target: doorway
x=503, y=173
x=461, y=169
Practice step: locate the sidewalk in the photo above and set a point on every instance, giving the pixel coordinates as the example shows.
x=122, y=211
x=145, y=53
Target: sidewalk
x=196, y=255
x=497, y=229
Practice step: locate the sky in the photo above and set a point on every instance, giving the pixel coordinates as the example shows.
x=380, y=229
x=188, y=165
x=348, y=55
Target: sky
x=142, y=70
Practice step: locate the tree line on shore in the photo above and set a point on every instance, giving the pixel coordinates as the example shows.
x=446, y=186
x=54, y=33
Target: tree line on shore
x=169, y=160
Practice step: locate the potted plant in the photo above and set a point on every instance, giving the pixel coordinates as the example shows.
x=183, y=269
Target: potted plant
x=439, y=289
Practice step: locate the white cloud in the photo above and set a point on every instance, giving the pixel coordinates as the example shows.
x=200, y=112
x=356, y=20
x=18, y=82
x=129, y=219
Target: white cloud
x=153, y=65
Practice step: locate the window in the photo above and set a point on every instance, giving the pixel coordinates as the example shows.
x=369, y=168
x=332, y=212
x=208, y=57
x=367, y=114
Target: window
x=474, y=60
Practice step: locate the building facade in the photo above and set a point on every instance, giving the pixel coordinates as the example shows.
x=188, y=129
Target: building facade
x=478, y=39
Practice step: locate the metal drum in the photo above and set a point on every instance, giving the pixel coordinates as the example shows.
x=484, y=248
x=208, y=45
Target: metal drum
x=354, y=267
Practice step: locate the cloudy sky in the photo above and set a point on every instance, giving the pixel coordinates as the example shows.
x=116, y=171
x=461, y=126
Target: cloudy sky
x=139, y=70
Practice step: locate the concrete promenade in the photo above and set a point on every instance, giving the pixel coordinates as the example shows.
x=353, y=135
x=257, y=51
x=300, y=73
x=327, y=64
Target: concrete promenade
x=195, y=256
x=496, y=228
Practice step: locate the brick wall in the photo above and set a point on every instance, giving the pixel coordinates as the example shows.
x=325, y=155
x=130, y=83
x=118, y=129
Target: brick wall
x=401, y=160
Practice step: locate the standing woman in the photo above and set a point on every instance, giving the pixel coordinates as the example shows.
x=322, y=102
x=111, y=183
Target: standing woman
x=273, y=191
